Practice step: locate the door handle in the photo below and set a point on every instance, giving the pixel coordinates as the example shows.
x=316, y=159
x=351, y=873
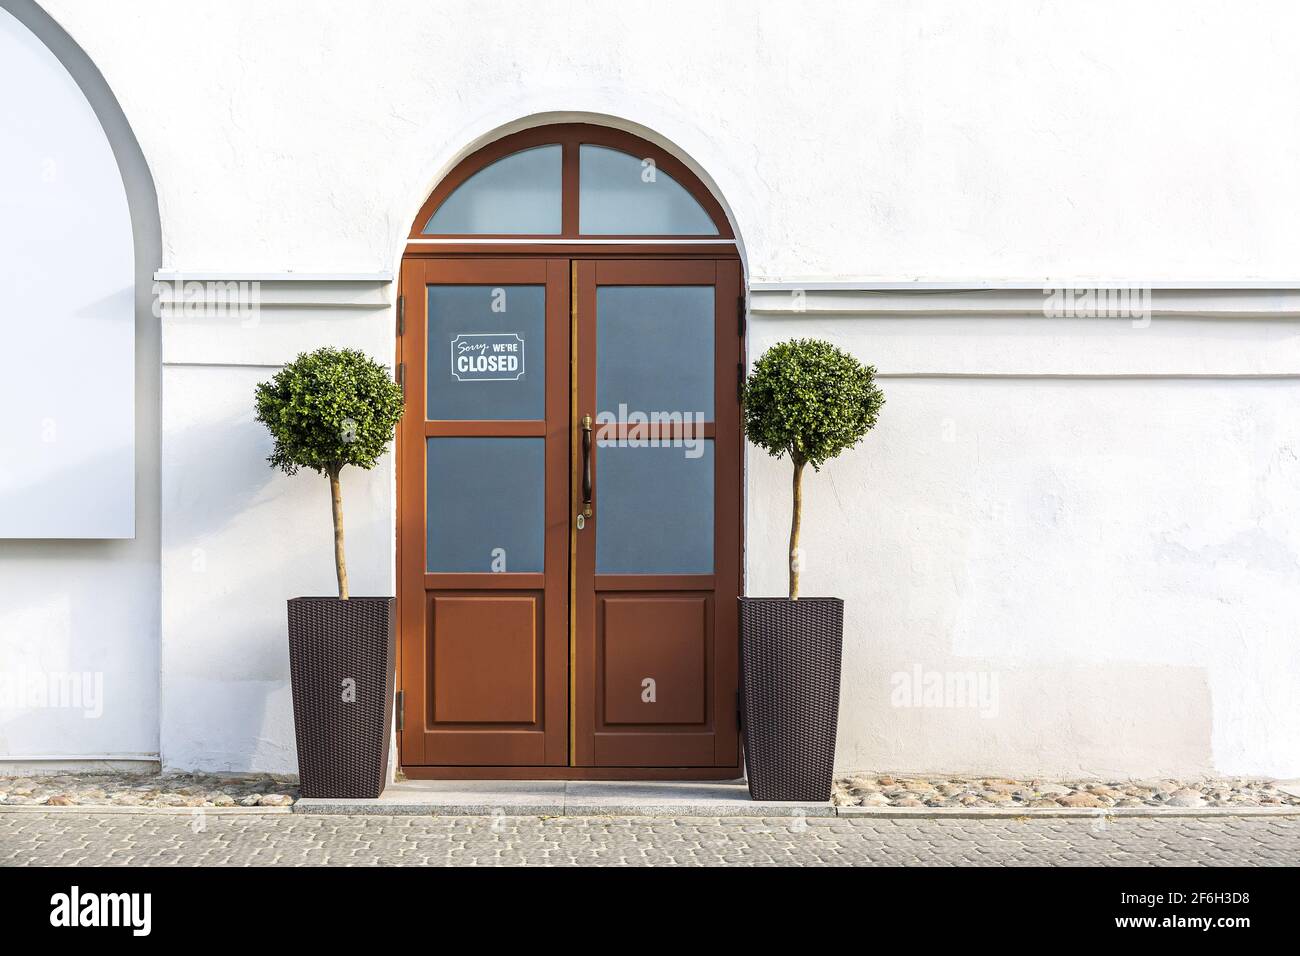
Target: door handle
x=586, y=466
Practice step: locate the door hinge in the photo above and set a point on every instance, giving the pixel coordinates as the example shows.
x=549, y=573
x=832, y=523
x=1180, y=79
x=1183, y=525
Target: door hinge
x=740, y=316
x=740, y=381
x=401, y=710
x=401, y=315
x=400, y=378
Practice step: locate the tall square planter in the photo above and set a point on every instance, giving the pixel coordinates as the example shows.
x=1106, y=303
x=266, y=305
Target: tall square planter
x=341, y=664
x=790, y=690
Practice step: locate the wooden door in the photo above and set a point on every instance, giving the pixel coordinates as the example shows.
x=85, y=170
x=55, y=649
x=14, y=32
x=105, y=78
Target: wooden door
x=657, y=556
x=484, y=487
x=568, y=595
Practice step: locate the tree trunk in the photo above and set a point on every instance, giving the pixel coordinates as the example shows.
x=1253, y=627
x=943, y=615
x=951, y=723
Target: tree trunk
x=340, y=565
x=796, y=519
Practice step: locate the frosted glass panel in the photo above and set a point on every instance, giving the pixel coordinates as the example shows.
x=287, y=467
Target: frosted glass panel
x=485, y=504
x=654, y=349
x=486, y=352
x=619, y=194
x=518, y=194
x=654, y=510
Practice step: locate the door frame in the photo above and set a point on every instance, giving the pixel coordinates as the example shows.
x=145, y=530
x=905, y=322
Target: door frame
x=570, y=246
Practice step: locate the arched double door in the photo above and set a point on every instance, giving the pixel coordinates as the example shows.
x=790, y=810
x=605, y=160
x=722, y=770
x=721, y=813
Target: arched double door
x=570, y=492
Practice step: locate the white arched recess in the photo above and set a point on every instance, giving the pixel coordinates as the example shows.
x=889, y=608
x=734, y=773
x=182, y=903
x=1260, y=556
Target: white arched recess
x=79, y=458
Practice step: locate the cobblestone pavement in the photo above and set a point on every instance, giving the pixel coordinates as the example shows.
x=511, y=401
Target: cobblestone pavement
x=295, y=839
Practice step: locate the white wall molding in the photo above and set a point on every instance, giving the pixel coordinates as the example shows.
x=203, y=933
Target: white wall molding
x=1219, y=301
x=203, y=275
x=231, y=319
x=980, y=285
x=1004, y=333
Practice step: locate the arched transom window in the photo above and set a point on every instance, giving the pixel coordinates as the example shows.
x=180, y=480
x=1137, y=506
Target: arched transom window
x=572, y=181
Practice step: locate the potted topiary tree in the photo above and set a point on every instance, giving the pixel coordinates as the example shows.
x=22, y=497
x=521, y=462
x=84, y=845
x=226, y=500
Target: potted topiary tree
x=328, y=409
x=807, y=400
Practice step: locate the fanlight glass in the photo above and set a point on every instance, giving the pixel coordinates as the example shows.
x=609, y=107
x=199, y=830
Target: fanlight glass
x=623, y=195
x=619, y=194
x=519, y=194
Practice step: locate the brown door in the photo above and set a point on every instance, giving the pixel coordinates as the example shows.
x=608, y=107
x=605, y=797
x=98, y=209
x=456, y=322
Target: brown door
x=485, y=517
x=568, y=595
x=657, y=563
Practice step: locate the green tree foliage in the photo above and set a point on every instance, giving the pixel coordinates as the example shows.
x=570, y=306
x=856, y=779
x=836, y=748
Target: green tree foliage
x=809, y=400
x=327, y=409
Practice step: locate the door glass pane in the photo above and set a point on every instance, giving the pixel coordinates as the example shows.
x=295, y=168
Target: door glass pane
x=654, y=350
x=486, y=352
x=624, y=195
x=485, y=504
x=518, y=194
x=654, y=508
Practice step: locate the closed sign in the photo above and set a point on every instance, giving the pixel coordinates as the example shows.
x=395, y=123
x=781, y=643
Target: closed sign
x=487, y=357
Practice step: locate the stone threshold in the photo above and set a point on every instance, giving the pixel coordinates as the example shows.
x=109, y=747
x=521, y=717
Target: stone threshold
x=565, y=798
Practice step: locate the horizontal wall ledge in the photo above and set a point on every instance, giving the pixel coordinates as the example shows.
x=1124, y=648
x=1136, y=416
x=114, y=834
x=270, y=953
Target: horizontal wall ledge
x=265, y=319
x=229, y=296
x=173, y=275
x=1012, y=285
x=1125, y=305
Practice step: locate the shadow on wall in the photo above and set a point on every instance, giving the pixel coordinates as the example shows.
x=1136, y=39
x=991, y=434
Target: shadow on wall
x=240, y=538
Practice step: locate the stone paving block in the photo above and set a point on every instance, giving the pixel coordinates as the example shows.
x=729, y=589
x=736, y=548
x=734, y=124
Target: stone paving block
x=49, y=838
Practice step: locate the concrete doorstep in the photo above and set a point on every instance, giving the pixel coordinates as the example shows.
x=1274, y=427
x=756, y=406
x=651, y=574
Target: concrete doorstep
x=558, y=798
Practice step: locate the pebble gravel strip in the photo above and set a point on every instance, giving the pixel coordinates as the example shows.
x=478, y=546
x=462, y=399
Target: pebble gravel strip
x=146, y=790
x=974, y=793
x=858, y=790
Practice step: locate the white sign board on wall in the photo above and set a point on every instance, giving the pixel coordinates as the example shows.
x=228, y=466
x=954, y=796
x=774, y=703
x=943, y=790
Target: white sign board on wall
x=67, y=308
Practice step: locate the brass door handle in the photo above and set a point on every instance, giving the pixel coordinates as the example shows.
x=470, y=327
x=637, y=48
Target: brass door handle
x=586, y=466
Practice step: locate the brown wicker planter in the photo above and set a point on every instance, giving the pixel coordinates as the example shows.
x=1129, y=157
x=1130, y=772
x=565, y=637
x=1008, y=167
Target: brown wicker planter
x=342, y=745
x=790, y=675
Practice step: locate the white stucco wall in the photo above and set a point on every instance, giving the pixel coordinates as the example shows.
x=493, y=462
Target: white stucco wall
x=79, y=514
x=1104, y=520
x=1099, y=520
x=238, y=537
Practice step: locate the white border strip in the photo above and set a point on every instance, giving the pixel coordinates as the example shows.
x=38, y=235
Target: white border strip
x=200, y=275
x=45, y=758
x=1020, y=285
x=763, y=285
